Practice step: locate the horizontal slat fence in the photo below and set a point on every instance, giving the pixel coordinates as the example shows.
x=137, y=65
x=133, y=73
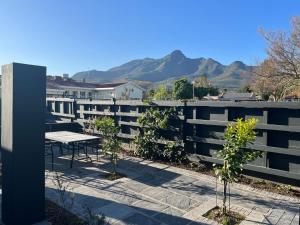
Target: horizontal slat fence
x=202, y=124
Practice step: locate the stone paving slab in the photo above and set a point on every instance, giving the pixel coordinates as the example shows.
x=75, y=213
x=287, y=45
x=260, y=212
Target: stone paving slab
x=155, y=193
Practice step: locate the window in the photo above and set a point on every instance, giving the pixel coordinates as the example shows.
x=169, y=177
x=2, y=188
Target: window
x=82, y=94
x=75, y=93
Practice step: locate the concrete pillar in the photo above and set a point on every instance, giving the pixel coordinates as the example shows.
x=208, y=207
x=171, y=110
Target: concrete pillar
x=22, y=143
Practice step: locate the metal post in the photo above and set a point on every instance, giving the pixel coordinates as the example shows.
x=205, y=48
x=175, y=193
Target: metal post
x=193, y=82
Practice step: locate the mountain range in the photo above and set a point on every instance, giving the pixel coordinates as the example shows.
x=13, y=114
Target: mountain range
x=172, y=67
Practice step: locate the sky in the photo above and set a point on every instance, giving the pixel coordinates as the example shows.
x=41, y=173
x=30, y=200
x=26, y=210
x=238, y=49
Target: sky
x=70, y=36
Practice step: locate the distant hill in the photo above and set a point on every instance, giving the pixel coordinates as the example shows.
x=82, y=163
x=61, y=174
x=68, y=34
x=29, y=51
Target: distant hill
x=171, y=67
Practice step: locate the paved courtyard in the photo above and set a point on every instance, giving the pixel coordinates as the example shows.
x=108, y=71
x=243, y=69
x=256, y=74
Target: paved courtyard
x=154, y=193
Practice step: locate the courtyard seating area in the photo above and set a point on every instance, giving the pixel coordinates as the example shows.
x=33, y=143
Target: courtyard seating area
x=155, y=193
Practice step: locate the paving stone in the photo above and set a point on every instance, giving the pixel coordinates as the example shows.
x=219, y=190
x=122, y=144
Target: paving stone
x=151, y=180
x=127, y=197
x=91, y=203
x=156, y=193
x=253, y=218
x=296, y=220
x=149, y=207
x=115, y=211
x=137, y=219
x=179, y=201
x=169, y=194
x=172, y=216
x=286, y=218
x=200, y=210
x=135, y=185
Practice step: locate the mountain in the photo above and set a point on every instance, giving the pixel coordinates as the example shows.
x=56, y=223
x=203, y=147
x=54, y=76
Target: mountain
x=171, y=67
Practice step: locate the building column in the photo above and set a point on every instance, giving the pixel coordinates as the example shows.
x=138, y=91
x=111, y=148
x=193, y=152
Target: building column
x=22, y=143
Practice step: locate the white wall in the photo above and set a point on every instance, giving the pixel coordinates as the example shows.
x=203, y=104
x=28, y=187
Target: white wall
x=128, y=91
x=125, y=91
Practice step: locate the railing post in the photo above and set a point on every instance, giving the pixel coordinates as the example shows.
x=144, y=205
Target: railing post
x=184, y=126
x=74, y=110
x=115, y=110
x=23, y=143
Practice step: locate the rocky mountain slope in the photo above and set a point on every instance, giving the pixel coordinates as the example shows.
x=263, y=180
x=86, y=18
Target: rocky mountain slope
x=171, y=67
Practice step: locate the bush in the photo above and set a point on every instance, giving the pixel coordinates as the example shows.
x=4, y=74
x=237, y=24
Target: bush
x=151, y=143
x=174, y=152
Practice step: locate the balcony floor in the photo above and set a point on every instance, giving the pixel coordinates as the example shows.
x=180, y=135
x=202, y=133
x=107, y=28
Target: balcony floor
x=154, y=193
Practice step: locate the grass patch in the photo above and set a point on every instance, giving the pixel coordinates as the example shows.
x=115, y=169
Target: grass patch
x=231, y=218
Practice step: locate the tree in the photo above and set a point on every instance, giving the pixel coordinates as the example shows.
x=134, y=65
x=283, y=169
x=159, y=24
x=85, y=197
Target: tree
x=112, y=144
x=161, y=93
x=281, y=69
x=149, y=94
x=270, y=82
x=234, y=153
x=182, y=89
x=202, y=81
x=246, y=88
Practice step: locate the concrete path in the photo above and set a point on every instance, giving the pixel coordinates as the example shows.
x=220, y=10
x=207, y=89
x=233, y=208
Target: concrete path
x=154, y=193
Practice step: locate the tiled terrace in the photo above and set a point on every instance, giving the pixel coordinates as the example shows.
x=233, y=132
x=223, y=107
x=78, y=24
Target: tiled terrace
x=154, y=193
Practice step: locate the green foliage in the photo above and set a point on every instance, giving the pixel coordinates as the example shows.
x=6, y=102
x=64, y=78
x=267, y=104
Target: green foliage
x=149, y=94
x=182, y=89
x=174, y=152
x=237, y=136
x=161, y=93
x=112, y=144
x=200, y=92
x=148, y=141
x=107, y=127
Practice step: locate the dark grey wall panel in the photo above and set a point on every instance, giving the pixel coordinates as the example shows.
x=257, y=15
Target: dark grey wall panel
x=278, y=131
x=23, y=109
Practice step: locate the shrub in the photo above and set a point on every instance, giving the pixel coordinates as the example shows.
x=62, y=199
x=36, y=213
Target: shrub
x=174, y=152
x=151, y=143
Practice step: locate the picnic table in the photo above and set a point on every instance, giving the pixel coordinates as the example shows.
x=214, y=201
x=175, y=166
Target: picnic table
x=70, y=139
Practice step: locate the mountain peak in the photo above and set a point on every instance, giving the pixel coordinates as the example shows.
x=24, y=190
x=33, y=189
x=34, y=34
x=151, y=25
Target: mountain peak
x=177, y=53
x=237, y=65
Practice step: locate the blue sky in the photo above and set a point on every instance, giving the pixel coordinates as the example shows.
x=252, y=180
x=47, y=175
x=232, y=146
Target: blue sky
x=71, y=36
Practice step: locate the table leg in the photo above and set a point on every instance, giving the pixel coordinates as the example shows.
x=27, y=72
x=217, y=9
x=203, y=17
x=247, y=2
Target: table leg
x=73, y=153
x=52, y=156
x=60, y=149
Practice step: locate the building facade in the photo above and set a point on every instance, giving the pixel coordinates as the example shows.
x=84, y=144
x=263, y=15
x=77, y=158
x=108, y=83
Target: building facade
x=69, y=88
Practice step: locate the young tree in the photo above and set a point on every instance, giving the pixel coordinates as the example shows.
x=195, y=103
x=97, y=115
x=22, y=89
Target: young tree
x=112, y=144
x=161, y=93
x=182, y=89
x=234, y=153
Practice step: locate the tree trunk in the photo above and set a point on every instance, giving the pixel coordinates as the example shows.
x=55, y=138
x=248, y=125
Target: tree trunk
x=114, y=165
x=224, y=209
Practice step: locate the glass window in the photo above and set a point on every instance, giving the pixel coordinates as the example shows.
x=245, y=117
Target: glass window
x=75, y=94
x=82, y=94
